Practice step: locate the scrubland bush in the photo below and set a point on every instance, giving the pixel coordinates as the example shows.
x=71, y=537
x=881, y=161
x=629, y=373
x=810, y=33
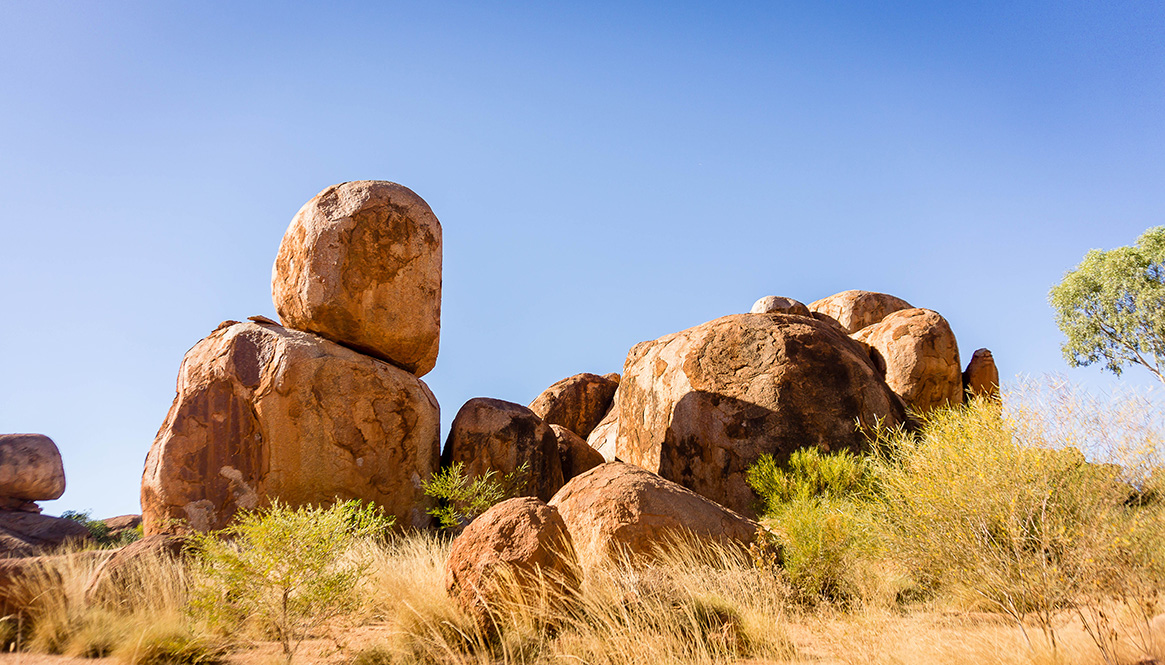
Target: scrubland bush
x=460, y=498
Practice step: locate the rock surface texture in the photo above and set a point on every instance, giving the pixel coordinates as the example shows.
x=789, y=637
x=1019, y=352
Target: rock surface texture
x=779, y=305
x=921, y=357
x=30, y=468
x=506, y=553
x=266, y=412
x=360, y=264
x=981, y=378
x=855, y=310
x=605, y=435
x=700, y=406
x=577, y=403
x=492, y=434
x=25, y=533
x=576, y=456
x=618, y=509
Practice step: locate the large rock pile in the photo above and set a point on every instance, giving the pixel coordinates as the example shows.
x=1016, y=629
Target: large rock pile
x=330, y=404
x=31, y=470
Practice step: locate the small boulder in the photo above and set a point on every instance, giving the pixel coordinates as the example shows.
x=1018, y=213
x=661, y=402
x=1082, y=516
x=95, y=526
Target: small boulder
x=779, y=305
x=854, y=310
x=27, y=534
x=575, y=454
x=30, y=468
x=121, y=525
x=578, y=403
x=360, y=265
x=492, y=434
x=620, y=509
x=981, y=378
x=507, y=554
x=921, y=357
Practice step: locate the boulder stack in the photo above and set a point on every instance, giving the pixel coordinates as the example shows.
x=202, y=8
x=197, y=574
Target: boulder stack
x=30, y=470
x=577, y=403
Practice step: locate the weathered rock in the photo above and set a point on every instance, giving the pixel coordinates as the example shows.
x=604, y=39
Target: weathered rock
x=360, y=264
x=921, y=357
x=575, y=454
x=27, y=534
x=854, y=310
x=112, y=575
x=612, y=376
x=121, y=524
x=604, y=436
x=620, y=509
x=779, y=305
x=266, y=412
x=578, y=403
x=507, y=554
x=700, y=406
x=492, y=434
x=30, y=468
x=981, y=378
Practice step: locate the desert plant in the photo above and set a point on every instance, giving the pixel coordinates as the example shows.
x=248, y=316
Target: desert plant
x=460, y=498
x=100, y=531
x=288, y=570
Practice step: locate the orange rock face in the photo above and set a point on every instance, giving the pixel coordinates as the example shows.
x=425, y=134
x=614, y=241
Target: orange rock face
x=981, y=378
x=575, y=454
x=855, y=310
x=265, y=412
x=492, y=434
x=506, y=554
x=700, y=406
x=577, y=403
x=360, y=265
x=618, y=509
x=921, y=357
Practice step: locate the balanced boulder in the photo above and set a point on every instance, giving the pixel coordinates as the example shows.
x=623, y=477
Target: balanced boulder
x=575, y=454
x=921, y=357
x=779, y=305
x=263, y=412
x=855, y=310
x=360, y=264
x=700, y=406
x=519, y=551
x=981, y=378
x=578, y=403
x=620, y=509
x=30, y=470
x=499, y=436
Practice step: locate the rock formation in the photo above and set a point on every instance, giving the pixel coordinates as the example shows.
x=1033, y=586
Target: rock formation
x=267, y=412
x=700, y=406
x=605, y=434
x=361, y=265
x=779, y=305
x=492, y=434
x=981, y=378
x=24, y=533
x=30, y=470
x=511, y=554
x=921, y=357
x=619, y=509
x=577, y=403
x=575, y=454
x=854, y=310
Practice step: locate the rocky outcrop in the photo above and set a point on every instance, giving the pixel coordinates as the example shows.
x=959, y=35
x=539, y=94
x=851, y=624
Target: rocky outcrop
x=921, y=357
x=577, y=403
x=981, y=378
x=360, y=265
x=700, y=406
x=779, y=305
x=854, y=310
x=492, y=434
x=267, y=412
x=512, y=553
x=30, y=470
x=24, y=533
x=619, y=510
x=576, y=456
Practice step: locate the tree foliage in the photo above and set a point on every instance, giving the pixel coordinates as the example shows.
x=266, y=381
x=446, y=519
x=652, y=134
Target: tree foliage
x=1111, y=307
x=461, y=498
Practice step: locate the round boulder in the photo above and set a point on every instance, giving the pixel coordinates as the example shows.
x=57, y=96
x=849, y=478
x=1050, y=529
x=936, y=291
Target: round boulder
x=360, y=265
x=699, y=407
x=981, y=378
x=30, y=468
x=779, y=305
x=921, y=357
x=620, y=509
x=518, y=551
x=854, y=310
x=577, y=403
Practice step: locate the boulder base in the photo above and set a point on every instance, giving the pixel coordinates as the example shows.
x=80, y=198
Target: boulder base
x=27, y=534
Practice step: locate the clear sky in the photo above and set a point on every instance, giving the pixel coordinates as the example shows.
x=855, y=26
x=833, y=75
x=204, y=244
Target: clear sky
x=605, y=173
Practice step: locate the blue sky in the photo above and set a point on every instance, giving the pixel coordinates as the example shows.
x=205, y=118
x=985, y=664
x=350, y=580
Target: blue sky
x=605, y=173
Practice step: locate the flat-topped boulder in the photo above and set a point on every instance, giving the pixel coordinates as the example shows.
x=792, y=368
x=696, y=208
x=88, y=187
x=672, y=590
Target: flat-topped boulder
x=360, y=265
x=577, y=403
x=854, y=310
x=30, y=468
x=265, y=412
x=921, y=357
x=700, y=406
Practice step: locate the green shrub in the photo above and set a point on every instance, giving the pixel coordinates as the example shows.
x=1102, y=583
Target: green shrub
x=287, y=570
x=810, y=474
x=99, y=530
x=461, y=499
